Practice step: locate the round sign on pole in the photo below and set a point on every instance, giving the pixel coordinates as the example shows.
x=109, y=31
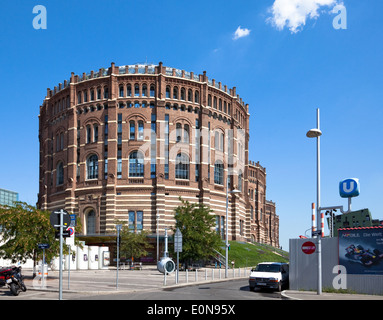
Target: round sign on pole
x=71, y=231
x=308, y=247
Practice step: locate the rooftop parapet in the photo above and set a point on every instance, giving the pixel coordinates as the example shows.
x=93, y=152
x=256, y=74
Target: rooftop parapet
x=145, y=69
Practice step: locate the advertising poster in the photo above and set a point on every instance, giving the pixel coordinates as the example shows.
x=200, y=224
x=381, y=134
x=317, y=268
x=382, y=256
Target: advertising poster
x=361, y=250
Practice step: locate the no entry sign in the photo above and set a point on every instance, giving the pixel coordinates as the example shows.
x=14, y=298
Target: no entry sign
x=308, y=247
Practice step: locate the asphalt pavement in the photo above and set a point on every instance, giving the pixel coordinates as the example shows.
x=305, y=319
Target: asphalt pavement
x=149, y=279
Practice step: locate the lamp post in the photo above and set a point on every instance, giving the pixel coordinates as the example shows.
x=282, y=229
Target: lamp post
x=118, y=227
x=316, y=133
x=227, y=226
x=157, y=230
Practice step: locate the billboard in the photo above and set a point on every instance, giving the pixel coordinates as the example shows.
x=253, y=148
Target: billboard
x=361, y=250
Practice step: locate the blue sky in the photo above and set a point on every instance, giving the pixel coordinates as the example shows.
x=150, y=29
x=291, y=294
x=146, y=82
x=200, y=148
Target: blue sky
x=284, y=71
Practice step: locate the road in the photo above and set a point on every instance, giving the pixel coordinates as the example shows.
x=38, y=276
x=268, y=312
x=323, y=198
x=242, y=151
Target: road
x=229, y=290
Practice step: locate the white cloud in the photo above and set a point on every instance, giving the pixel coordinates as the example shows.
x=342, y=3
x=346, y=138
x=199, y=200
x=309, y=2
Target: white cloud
x=293, y=13
x=240, y=33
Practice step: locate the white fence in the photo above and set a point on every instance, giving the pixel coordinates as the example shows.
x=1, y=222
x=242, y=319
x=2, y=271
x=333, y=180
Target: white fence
x=205, y=274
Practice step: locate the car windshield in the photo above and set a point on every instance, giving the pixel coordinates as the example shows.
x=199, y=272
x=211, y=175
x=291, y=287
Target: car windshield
x=267, y=268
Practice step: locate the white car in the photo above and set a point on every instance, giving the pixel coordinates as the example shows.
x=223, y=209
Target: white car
x=271, y=275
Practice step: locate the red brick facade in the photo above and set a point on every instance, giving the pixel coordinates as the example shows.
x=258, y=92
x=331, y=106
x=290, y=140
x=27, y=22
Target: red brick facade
x=125, y=142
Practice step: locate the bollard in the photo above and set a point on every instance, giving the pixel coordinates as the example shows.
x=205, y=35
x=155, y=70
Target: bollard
x=187, y=277
x=205, y=274
x=196, y=275
x=212, y=274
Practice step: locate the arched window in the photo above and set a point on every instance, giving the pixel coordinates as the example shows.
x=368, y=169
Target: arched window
x=182, y=93
x=106, y=93
x=209, y=100
x=140, y=130
x=186, y=133
x=85, y=96
x=60, y=174
x=121, y=91
x=144, y=90
x=136, y=164
x=92, y=167
x=132, y=130
x=218, y=140
x=88, y=133
x=128, y=90
x=182, y=166
x=91, y=222
x=175, y=93
x=152, y=91
x=136, y=90
x=178, y=132
x=196, y=97
x=218, y=172
x=240, y=180
x=95, y=133
x=167, y=92
x=190, y=95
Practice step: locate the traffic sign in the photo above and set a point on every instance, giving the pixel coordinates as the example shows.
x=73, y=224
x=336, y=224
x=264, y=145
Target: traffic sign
x=73, y=220
x=71, y=231
x=55, y=219
x=349, y=188
x=316, y=233
x=308, y=247
x=178, y=241
x=66, y=234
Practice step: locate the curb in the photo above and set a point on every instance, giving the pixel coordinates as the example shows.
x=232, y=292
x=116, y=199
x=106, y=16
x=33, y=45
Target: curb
x=286, y=297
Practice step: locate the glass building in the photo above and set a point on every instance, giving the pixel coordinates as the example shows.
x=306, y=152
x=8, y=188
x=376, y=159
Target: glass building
x=8, y=197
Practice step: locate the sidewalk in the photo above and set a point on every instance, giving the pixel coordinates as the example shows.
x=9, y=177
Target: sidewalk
x=311, y=295
x=149, y=279
x=105, y=281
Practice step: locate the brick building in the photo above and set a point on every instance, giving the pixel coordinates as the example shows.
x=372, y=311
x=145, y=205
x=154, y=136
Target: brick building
x=123, y=143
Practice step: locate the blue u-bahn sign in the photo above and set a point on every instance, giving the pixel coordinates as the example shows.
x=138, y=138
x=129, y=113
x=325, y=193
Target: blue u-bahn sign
x=349, y=188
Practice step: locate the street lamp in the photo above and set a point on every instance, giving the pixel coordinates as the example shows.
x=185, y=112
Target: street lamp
x=316, y=133
x=157, y=230
x=227, y=225
x=118, y=227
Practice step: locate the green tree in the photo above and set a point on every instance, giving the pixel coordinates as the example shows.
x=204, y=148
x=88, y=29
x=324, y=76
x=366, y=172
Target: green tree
x=197, y=225
x=133, y=245
x=23, y=227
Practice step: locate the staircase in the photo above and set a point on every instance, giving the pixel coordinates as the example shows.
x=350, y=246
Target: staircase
x=220, y=258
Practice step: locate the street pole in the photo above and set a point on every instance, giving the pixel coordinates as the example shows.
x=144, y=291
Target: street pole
x=318, y=212
x=43, y=271
x=118, y=251
x=157, y=230
x=316, y=133
x=226, y=230
x=61, y=256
